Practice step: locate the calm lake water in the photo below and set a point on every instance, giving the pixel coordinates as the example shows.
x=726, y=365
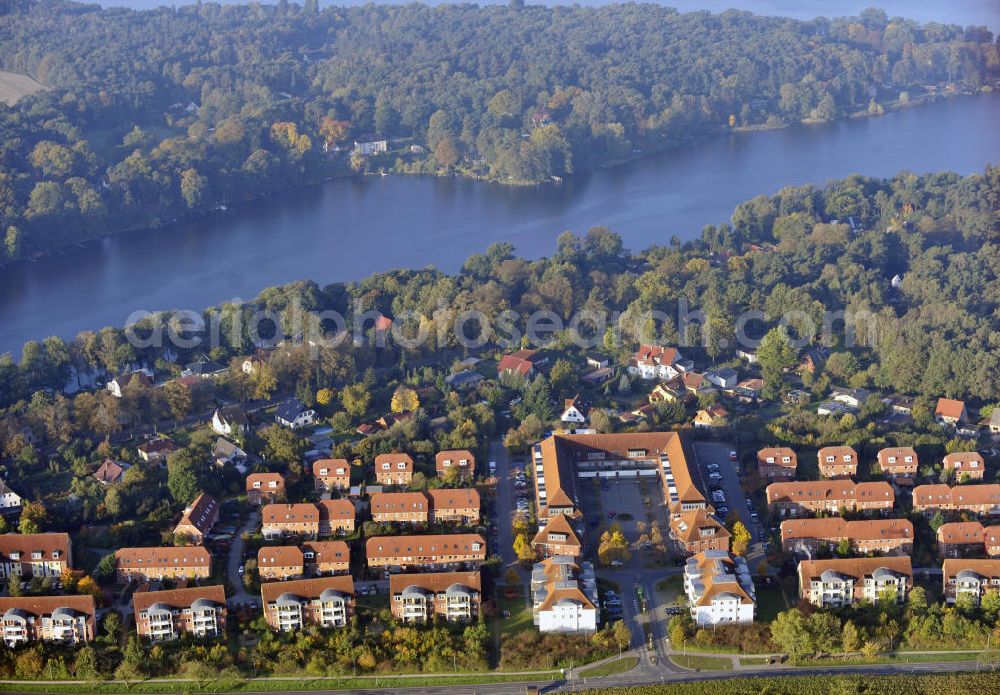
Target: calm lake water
x=347, y=229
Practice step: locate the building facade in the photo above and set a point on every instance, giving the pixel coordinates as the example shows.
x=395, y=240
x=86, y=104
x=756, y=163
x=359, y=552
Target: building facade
x=30, y=555
x=166, y=615
x=454, y=506
x=158, y=563
x=844, y=582
x=438, y=552
x=969, y=578
x=460, y=460
x=564, y=596
x=394, y=469
x=57, y=619
x=803, y=497
x=806, y=537
x=331, y=474
x=417, y=598
x=777, y=463
x=719, y=588
x=837, y=462
x=326, y=602
x=265, y=488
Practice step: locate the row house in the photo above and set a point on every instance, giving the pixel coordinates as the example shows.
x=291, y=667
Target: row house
x=166, y=615
x=964, y=465
x=564, y=596
x=280, y=562
x=331, y=474
x=57, y=619
x=417, y=598
x=558, y=537
x=395, y=553
x=198, y=519
x=158, y=563
x=308, y=520
x=326, y=557
x=394, y=469
x=399, y=508
x=982, y=500
x=454, y=506
x=30, y=555
x=964, y=537
x=461, y=460
x=697, y=531
x=265, y=488
x=796, y=498
x=969, y=577
x=777, y=463
x=898, y=463
x=719, y=588
x=844, y=582
x=837, y=462
x=326, y=602
x=805, y=537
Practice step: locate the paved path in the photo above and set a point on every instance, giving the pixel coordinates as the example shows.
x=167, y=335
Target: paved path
x=235, y=561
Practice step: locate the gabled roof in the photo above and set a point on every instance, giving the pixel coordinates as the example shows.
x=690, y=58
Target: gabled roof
x=109, y=472
x=336, y=510
x=558, y=523
x=201, y=514
x=279, y=556
x=961, y=532
x=331, y=465
x=398, y=502
x=39, y=606
x=946, y=407
x=835, y=528
x=435, y=582
x=265, y=480
x=153, y=558
x=394, y=459
x=289, y=410
x=387, y=547
x=984, y=568
x=303, y=512
x=958, y=496
x=521, y=362
x=327, y=551
x=461, y=498
x=857, y=568
x=48, y=544
x=812, y=490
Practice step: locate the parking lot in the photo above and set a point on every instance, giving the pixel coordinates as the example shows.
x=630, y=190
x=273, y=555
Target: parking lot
x=718, y=474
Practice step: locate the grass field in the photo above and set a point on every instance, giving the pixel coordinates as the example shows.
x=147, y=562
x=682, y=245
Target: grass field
x=702, y=663
x=611, y=668
x=520, y=614
x=770, y=601
x=14, y=86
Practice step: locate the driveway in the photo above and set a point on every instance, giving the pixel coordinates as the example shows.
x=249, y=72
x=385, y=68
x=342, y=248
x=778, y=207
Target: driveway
x=718, y=453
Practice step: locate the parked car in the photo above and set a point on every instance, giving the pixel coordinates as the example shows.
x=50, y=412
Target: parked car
x=714, y=476
x=723, y=510
x=732, y=456
x=712, y=466
x=749, y=503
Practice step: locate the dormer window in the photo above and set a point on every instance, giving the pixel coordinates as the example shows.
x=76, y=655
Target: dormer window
x=36, y=555
x=909, y=459
x=324, y=471
x=401, y=465
x=386, y=466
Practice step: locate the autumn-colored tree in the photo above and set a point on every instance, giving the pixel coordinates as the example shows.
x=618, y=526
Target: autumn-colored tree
x=178, y=398
x=446, y=153
x=523, y=549
x=405, y=400
x=355, y=398
x=86, y=585
x=324, y=396
x=613, y=546
x=193, y=187
x=741, y=538
x=333, y=131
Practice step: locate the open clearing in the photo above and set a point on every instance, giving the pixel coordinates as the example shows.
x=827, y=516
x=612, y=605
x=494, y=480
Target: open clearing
x=14, y=86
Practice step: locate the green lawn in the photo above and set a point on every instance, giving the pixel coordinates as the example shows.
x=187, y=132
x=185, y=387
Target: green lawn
x=892, y=659
x=611, y=668
x=520, y=613
x=770, y=601
x=673, y=584
x=702, y=663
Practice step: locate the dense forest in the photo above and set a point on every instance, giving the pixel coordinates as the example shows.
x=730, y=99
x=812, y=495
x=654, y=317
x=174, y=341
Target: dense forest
x=937, y=327
x=149, y=116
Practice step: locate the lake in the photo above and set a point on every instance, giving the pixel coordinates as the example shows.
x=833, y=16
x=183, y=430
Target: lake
x=346, y=229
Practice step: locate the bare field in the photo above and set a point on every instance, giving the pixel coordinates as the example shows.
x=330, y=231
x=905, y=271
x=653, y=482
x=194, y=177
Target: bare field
x=14, y=86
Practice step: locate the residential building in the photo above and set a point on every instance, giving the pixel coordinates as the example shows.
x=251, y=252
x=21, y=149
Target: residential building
x=844, y=582
x=417, y=598
x=712, y=416
x=995, y=421
x=294, y=415
x=965, y=465
x=969, y=577
x=958, y=538
x=575, y=411
x=898, y=462
x=265, y=488
x=224, y=452
x=110, y=472
x=397, y=553
x=564, y=595
x=394, y=469
x=29, y=555
x=777, y=463
x=724, y=378
x=982, y=499
x=558, y=537
x=400, y=508
x=854, y=399
x=230, y=421
x=460, y=460
x=137, y=379
x=672, y=392
x=156, y=450
x=464, y=380
x=523, y=362
x=198, y=611
x=796, y=498
x=10, y=501
x=198, y=519
x=805, y=537
x=837, y=462
x=696, y=384
x=991, y=538
x=697, y=530
x=301, y=519
x=563, y=459
x=58, y=619
x=326, y=557
x=371, y=144
x=280, y=562
x=655, y=362
x=336, y=517
x=326, y=602
x=449, y=506
x=331, y=474
x=749, y=355
x=159, y=563
x=719, y=588
x=950, y=412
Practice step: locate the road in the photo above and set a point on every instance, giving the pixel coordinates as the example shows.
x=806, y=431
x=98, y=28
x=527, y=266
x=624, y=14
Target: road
x=235, y=561
x=504, y=507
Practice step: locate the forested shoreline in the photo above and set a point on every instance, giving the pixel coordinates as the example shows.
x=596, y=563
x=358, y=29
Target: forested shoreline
x=151, y=116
